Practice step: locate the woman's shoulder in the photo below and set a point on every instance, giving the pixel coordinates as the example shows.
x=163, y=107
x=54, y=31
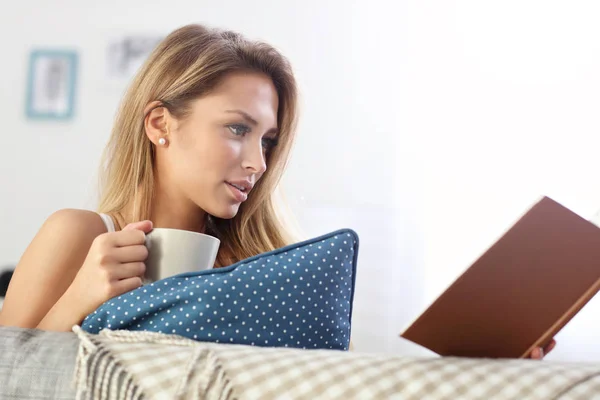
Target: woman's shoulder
x=68, y=232
x=75, y=222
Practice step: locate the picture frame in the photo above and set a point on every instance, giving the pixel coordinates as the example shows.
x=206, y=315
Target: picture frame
x=126, y=54
x=51, y=84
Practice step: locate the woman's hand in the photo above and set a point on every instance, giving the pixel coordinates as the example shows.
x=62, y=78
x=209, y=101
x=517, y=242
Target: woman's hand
x=114, y=265
x=539, y=353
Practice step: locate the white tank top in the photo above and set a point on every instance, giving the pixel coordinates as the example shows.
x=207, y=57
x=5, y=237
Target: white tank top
x=108, y=221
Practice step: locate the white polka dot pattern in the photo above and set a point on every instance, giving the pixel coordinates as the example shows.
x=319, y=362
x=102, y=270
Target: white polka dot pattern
x=298, y=296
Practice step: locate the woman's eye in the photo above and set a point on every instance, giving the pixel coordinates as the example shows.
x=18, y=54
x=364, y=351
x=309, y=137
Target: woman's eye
x=269, y=144
x=239, y=130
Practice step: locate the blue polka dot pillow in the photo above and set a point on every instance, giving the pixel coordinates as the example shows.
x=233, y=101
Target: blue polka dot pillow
x=297, y=296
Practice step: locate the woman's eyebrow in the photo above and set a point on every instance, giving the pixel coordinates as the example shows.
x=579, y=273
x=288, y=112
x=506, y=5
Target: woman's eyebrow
x=244, y=114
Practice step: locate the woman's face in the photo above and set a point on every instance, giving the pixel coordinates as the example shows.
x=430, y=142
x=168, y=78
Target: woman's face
x=215, y=156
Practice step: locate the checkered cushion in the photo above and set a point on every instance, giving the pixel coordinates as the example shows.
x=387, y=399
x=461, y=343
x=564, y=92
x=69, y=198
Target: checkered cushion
x=157, y=366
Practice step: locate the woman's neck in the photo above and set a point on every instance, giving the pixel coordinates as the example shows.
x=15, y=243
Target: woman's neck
x=169, y=212
x=175, y=217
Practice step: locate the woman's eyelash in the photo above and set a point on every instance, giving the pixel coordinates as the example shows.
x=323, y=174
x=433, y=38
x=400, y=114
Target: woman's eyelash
x=238, y=129
x=241, y=130
x=269, y=143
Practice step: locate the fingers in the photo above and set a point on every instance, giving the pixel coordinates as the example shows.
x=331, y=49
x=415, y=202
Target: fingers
x=537, y=353
x=129, y=270
x=132, y=253
x=144, y=226
x=127, y=285
x=130, y=235
x=550, y=346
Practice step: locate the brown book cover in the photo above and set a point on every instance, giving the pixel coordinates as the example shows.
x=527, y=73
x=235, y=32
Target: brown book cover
x=520, y=293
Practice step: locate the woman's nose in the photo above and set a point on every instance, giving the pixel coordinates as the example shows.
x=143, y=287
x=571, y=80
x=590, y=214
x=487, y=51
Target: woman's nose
x=254, y=158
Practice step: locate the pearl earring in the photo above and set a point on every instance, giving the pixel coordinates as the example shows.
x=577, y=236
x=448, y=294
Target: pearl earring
x=162, y=141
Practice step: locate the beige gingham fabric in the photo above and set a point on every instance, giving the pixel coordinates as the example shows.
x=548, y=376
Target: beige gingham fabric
x=144, y=365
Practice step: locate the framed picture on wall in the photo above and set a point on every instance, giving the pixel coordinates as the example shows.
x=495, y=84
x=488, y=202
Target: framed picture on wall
x=51, y=84
x=127, y=54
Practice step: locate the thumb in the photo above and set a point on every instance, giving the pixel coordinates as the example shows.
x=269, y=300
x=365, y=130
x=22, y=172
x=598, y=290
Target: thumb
x=144, y=226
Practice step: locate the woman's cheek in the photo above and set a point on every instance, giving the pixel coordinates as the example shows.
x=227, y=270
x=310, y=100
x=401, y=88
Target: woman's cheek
x=231, y=150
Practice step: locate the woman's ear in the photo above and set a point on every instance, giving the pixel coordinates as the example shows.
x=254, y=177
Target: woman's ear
x=156, y=123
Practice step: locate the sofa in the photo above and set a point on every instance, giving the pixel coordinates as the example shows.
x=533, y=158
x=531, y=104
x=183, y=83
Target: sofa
x=146, y=365
x=37, y=365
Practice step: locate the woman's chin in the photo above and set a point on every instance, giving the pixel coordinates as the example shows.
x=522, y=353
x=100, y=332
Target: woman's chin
x=226, y=212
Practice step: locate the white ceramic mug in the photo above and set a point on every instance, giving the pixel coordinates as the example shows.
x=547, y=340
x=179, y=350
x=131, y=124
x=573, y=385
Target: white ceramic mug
x=175, y=251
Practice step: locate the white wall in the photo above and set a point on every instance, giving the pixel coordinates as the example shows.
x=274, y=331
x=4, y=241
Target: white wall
x=428, y=127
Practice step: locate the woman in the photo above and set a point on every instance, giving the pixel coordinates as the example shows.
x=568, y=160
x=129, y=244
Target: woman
x=204, y=118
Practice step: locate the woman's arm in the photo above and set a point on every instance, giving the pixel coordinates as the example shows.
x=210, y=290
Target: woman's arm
x=62, y=316
x=38, y=289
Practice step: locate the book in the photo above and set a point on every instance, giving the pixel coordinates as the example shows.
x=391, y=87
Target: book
x=520, y=292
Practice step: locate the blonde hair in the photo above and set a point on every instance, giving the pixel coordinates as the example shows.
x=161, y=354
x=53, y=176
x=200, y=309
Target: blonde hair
x=186, y=65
